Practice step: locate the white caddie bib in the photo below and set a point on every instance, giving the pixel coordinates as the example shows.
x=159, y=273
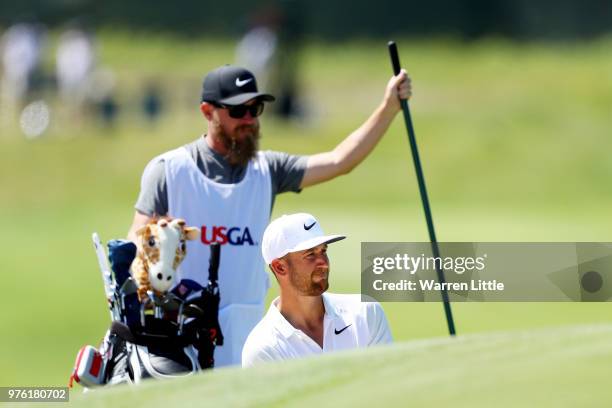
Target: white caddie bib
x=235, y=216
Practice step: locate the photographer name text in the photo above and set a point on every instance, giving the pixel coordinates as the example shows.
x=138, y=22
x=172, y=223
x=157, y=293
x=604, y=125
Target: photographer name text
x=432, y=285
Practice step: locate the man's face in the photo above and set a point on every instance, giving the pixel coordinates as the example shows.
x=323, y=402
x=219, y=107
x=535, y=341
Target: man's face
x=240, y=136
x=309, y=270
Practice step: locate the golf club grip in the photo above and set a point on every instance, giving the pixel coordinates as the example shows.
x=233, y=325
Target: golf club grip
x=394, y=57
x=213, y=268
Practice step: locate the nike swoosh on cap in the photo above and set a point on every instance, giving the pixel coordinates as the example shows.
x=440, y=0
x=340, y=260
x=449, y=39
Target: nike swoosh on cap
x=336, y=331
x=240, y=83
x=310, y=226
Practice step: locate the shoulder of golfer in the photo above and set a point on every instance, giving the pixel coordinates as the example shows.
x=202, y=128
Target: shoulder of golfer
x=356, y=146
x=380, y=333
x=369, y=313
x=362, y=314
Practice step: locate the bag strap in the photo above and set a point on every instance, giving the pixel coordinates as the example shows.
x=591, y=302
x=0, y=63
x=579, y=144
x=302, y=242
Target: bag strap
x=213, y=266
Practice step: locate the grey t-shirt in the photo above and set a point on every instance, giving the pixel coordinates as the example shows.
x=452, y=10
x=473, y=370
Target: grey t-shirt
x=286, y=171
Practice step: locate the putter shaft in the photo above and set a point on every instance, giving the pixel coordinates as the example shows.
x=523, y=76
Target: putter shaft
x=423, y=191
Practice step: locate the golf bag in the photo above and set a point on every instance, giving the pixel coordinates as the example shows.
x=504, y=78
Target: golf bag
x=166, y=336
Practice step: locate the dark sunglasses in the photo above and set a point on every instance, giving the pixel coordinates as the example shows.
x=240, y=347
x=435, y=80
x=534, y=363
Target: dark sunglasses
x=238, y=111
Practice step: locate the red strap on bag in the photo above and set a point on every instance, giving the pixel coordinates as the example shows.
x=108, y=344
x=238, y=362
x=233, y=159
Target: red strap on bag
x=74, y=376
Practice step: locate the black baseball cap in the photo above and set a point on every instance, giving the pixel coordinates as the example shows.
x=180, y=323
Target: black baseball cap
x=231, y=85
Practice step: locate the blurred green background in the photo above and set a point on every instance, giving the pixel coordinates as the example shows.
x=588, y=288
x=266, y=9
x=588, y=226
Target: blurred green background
x=514, y=138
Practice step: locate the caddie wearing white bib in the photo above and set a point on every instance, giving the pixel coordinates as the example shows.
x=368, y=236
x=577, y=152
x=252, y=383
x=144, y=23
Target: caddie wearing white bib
x=243, y=282
x=303, y=320
x=223, y=184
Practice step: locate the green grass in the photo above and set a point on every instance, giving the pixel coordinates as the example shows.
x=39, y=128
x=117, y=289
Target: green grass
x=514, y=140
x=561, y=367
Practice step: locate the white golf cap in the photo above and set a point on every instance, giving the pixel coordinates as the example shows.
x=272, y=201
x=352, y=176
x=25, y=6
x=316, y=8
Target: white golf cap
x=292, y=233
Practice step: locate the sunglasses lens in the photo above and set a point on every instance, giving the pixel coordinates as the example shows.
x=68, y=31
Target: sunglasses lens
x=238, y=112
x=257, y=109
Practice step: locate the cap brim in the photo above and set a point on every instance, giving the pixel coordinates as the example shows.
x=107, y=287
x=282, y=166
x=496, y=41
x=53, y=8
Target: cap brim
x=245, y=97
x=311, y=243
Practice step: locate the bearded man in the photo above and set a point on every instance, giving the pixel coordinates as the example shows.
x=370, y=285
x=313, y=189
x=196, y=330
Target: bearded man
x=223, y=184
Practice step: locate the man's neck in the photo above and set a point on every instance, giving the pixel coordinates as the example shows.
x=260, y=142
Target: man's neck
x=215, y=144
x=304, y=313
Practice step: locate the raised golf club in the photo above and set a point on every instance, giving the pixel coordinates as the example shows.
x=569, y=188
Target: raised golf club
x=423, y=190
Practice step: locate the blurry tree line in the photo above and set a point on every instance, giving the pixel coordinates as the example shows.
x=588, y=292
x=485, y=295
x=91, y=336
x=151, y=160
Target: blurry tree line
x=468, y=19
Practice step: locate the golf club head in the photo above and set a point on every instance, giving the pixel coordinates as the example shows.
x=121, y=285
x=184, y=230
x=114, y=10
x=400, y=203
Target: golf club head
x=192, y=310
x=170, y=302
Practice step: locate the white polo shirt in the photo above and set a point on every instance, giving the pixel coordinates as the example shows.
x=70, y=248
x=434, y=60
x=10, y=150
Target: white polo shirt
x=348, y=323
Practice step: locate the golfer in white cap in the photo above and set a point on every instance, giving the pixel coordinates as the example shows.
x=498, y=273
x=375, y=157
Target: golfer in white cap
x=304, y=320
